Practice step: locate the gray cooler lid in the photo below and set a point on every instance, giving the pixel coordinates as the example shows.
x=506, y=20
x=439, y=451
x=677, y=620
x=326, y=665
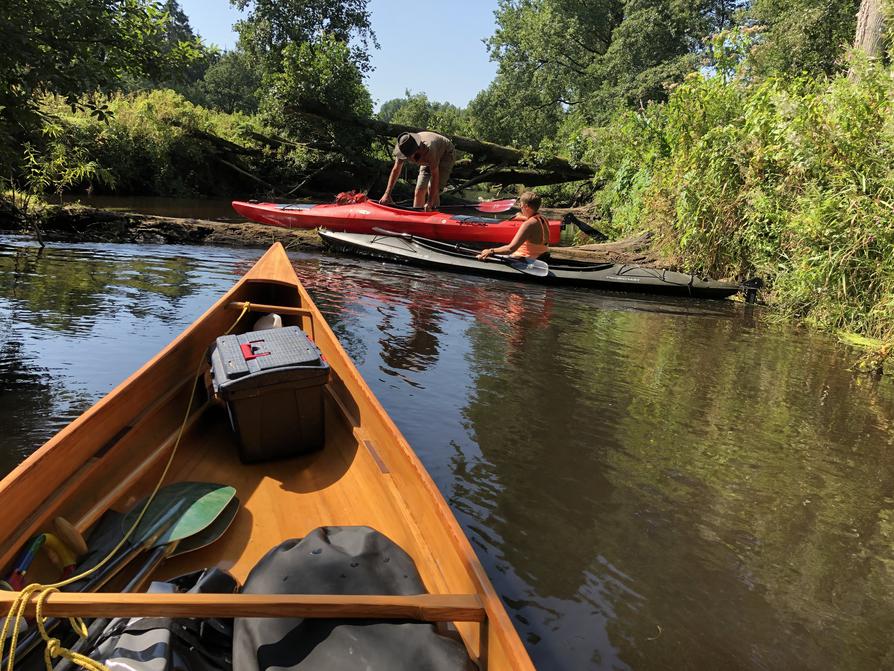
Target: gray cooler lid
x=261, y=358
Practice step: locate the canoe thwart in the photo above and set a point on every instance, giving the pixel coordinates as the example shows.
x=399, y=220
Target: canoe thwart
x=422, y=607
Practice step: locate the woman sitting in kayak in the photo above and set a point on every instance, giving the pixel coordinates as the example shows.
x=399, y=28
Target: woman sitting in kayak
x=532, y=239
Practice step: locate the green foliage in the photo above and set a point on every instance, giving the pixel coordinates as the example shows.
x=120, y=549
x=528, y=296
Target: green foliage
x=320, y=75
x=417, y=110
x=63, y=166
x=729, y=49
x=310, y=55
x=801, y=36
x=594, y=55
x=227, y=81
x=272, y=26
x=651, y=48
x=151, y=145
x=510, y=113
x=792, y=180
x=178, y=32
x=230, y=84
x=71, y=47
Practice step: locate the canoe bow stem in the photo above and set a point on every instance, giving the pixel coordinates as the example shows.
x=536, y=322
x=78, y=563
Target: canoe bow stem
x=14, y=621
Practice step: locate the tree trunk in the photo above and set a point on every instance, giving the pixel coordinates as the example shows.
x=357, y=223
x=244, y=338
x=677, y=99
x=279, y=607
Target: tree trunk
x=870, y=28
x=637, y=249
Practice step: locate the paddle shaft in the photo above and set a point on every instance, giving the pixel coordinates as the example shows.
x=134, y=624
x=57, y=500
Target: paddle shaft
x=521, y=264
x=488, y=206
x=98, y=580
x=134, y=585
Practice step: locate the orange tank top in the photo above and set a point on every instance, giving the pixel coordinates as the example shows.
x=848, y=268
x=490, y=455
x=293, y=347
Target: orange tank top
x=532, y=250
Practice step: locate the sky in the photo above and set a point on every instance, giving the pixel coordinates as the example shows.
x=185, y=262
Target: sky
x=444, y=57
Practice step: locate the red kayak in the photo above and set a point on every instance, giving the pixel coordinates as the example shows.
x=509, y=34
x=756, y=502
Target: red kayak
x=366, y=216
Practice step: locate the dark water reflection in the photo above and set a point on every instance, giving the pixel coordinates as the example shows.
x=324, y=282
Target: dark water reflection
x=214, y=209
x=650, y=484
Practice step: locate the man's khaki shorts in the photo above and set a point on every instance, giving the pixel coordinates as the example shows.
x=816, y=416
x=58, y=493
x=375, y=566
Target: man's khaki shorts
x=444, y=169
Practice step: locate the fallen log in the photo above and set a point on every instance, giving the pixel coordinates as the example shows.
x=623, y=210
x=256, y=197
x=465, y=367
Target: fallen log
x=492, y=163
x=634, y=250
x=489, y=163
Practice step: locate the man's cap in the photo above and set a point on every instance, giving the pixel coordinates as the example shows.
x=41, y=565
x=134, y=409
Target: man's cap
x=407, y=144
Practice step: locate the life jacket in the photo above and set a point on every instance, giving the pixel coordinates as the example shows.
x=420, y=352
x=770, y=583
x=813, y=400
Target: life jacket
x=350, y=197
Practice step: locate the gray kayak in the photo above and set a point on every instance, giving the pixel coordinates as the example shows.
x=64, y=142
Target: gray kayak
x=450, y=256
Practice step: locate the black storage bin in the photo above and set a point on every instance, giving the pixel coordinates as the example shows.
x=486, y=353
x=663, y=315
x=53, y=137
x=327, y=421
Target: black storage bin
x=272, y=382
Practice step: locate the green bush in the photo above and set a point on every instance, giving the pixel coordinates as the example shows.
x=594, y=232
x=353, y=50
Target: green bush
x=791, y=180
x=151, y=143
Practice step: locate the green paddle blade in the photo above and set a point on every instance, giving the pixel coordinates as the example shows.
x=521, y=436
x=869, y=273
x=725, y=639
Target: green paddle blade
x=210, y=533
x=195, y=505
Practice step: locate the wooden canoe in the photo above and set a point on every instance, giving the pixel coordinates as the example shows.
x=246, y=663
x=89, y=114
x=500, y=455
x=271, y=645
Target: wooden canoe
x=366, y=474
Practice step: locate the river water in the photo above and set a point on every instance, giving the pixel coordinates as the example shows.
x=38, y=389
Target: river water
x=650, y=483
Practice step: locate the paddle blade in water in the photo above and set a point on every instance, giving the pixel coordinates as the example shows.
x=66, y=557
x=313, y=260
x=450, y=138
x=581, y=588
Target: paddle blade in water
x=198, y=505
x=536, y=267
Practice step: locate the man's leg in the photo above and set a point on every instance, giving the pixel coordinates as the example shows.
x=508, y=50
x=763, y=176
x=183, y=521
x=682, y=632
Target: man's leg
x=444, y=170
x=422, y=182
x=420, y=196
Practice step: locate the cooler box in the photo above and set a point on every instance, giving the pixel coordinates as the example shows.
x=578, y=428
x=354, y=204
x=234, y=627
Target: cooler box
x=272, y=382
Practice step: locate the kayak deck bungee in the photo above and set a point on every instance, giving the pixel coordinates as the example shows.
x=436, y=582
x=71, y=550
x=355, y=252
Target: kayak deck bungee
x=606, y=276
x=365, y=475
x=363, y=217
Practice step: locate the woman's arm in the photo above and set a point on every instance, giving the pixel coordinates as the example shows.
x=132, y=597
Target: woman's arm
x=521, y=235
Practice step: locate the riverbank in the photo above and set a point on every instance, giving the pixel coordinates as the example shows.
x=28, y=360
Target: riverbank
x=76, y=223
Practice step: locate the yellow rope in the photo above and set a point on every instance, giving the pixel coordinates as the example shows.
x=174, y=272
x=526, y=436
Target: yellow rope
x=17, y=610
x=54, y=647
